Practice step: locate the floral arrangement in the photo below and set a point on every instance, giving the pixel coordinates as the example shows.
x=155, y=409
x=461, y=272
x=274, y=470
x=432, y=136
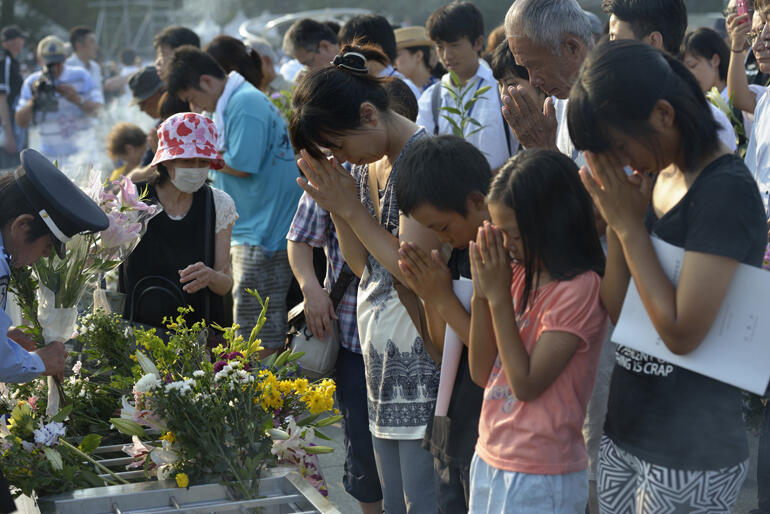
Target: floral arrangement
x=36, y=458
x=229, y=418
x=91, y=254
x=716, y=99
x=282, y=101
x=103, y=373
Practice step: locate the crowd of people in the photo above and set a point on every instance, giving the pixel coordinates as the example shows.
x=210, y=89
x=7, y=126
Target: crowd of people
x=579, y=142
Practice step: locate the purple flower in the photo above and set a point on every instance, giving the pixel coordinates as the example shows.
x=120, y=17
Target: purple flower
x=218, y=366
x=234, y=355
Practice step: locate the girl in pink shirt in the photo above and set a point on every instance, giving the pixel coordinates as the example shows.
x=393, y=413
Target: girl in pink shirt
x=537, y=326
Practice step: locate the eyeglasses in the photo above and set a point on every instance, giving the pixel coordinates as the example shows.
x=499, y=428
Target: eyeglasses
x=754, y=35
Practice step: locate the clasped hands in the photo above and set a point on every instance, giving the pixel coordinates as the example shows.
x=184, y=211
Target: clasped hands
x=329, y=184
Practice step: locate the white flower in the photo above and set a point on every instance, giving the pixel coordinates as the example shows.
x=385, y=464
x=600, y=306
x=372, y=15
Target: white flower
x=27, y=446
x=183, y=386
x=48, y=435
x=128, y=332
x=76, y=367
x=147, y=383
x=82, y=393
x=198, y=373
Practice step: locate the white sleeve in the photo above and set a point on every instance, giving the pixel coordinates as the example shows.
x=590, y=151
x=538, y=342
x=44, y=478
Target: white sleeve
x=224, y=208
x=726, y=132
x=425, y=113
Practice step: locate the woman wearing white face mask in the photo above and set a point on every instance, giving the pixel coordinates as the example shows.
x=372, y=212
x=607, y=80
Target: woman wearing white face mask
x=184, y=257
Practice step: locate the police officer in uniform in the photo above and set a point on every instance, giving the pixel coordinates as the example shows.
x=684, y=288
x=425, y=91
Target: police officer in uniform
x=40, y=209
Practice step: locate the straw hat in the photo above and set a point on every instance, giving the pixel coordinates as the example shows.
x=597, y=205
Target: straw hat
x=408, y=37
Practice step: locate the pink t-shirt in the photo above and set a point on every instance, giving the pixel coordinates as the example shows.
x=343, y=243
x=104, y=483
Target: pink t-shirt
x=545, y=436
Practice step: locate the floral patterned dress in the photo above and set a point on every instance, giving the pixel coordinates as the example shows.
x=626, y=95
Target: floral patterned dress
x=401, y=379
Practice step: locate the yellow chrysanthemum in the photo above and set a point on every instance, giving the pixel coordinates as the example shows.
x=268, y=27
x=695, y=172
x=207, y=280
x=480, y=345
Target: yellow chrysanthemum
x=182, y=480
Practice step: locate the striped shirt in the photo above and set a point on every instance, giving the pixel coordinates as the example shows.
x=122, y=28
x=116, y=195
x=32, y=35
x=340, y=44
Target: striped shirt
x=313, y=225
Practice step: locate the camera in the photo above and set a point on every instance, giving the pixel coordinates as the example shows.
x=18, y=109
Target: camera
x=44, y=92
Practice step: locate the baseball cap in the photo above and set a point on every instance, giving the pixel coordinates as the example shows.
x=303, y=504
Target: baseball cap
x=143, y=84
x=12, y=32
x=64, y=208
x=51, y=50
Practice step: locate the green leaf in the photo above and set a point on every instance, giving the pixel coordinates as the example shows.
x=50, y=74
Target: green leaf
x=54, y=458
x=62, y=414
x=128, y=427
x=455, y=127
x=316, y=450
x=90, y=443
x=330, y=420
x=323, y=436
x=309, y=419
x=480, y=91
x=452, y=110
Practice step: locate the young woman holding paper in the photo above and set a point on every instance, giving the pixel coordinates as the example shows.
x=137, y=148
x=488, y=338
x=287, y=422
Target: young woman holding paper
x=669, y=431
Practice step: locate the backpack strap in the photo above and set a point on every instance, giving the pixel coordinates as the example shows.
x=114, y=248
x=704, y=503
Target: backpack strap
x=435, y=104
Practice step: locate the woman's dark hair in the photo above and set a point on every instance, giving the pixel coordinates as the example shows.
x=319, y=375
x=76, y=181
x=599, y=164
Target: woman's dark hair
x=620, y=84
x=13, y=204
x=402, y=100
x=233, y=55
x=175, y=36
x=554, y=213
x=169, y=104
x=328, y=100
x=504, y=63
x=705, y=42
x=162, y=177
x=370, y=29
x=437, y=70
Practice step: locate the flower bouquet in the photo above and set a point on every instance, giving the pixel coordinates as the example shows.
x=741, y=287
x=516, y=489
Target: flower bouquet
x=228, y=419
x=62, y=281
x=36, y=458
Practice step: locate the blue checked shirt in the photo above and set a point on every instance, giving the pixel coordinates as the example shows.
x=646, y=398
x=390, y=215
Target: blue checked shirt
x=313, y=225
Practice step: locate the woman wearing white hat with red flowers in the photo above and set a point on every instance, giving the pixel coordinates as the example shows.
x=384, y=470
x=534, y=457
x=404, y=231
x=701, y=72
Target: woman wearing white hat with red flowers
x=184, y=257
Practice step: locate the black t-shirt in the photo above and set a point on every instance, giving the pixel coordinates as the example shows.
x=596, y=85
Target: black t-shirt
x=150, y=275
x=662, y=413
x=10, y=80
x=452, y=438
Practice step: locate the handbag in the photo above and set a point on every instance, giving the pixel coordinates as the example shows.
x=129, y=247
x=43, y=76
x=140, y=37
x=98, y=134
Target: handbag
x=320, y=355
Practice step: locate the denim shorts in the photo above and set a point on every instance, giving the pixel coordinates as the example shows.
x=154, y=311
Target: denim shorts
x=494, y=490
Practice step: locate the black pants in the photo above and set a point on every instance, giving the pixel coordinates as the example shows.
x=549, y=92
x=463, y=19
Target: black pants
x=361, y=480
x=452, y=487
x=763, y=464
x=6, y=500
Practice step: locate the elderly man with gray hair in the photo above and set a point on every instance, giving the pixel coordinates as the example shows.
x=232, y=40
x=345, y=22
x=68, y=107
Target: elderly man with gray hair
x=550, y=38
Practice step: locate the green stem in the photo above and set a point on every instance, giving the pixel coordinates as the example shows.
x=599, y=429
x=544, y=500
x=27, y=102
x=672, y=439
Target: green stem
x=91, y=460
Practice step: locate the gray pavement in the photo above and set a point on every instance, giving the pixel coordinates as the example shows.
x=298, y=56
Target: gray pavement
x=332, y=465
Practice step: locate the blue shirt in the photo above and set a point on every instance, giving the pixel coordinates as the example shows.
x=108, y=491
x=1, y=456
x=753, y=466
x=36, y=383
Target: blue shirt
x=257, y=142
x=16, y=364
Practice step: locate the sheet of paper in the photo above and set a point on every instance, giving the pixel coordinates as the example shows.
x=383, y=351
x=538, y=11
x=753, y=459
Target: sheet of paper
x=453, y=349
x=737, y=348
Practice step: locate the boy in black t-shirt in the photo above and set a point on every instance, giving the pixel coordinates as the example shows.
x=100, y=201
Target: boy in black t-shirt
x=443, y=185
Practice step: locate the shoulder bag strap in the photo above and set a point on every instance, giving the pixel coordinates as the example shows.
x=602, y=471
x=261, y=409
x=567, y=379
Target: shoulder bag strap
x=341, y=285
x=435, y=104
x=208, y=259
